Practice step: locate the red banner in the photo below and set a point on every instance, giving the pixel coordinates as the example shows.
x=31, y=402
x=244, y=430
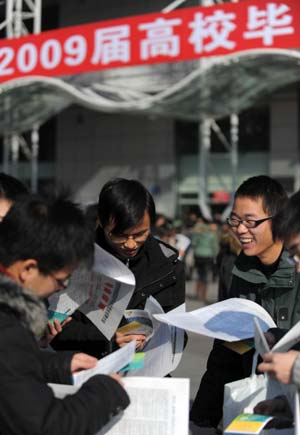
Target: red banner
x=184, y=34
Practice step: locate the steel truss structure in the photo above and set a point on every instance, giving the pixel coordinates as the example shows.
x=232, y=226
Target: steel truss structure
x=22, y=18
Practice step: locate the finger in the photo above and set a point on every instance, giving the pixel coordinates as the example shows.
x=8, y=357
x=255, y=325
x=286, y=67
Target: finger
x=57, y=326
x=67, y=320
x=86, y=357
x=117, y=378
x=128, y=338
x=84, y=361
x=137, y=337
x=268, y=357
x=51, y=328
x=266, y=368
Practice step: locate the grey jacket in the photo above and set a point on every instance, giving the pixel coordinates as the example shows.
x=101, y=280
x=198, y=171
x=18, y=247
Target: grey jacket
x=279, y=294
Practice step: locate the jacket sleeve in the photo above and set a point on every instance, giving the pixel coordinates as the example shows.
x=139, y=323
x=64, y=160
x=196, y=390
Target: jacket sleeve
x=28, y=405
x=56, y=366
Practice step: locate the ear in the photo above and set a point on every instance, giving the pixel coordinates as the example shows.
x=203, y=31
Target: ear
x=98, y=223
x=27, y=270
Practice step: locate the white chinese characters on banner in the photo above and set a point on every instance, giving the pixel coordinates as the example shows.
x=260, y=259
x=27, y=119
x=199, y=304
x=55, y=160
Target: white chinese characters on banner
x=111, y=44
x=160, y=39
x=269, y=22
x=212, y=32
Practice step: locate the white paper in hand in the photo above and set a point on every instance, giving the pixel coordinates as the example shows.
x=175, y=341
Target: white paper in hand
x=102, y=294
x=260, y=341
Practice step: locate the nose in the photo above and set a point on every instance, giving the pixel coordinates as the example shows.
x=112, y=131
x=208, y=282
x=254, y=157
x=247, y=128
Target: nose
x=130, y=243
x=241, y=229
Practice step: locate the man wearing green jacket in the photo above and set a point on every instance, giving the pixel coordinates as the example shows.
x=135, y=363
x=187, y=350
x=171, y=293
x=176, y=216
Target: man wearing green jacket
x=264, y=273
x=206, y=245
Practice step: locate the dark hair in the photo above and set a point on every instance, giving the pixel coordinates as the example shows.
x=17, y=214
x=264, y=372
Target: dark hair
x=54, y=232
x=287, y=222
x=91, y=214
x=164, y=230
x=124, y=201
x=271, y=191
x=11, y=188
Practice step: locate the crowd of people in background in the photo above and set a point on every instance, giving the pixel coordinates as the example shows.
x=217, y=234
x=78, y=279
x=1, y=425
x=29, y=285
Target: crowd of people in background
x=254, y=255
x=208, y=250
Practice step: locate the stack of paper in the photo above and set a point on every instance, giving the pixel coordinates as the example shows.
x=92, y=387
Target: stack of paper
x=158, y=407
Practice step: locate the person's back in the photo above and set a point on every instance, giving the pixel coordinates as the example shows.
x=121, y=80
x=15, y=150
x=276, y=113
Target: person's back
x=205, y=242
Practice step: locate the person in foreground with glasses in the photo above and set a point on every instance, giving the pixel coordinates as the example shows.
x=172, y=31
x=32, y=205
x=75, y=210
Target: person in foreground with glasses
x=126, y=213
x=264, y=273
x=41, y=243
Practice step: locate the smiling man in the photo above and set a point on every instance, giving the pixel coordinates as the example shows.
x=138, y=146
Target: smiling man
x=264, y=273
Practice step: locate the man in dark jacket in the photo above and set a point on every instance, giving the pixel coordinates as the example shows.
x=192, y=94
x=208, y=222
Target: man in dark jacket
x=263, y=273
x=126, y=213
x=41, y=242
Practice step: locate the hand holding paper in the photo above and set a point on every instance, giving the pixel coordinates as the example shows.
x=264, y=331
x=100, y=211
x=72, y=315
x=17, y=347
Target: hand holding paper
x=102, y=294
x=139, y=327
x=53, y=328
x=112, y=363
x=122, y=338
x=82, y=361
x=279, y=365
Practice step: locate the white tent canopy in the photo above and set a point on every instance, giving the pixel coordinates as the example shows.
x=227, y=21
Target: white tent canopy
x=215, y=87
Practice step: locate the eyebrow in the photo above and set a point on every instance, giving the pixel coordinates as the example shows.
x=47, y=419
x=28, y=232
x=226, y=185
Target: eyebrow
x=134, y=234
x=247, y=215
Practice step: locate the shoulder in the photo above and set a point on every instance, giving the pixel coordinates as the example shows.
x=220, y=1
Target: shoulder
x=163, y=249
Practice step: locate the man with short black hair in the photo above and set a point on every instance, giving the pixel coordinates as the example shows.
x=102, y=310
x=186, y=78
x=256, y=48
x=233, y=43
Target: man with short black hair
x=264, y=273
x=126, y=214
x=41, y=242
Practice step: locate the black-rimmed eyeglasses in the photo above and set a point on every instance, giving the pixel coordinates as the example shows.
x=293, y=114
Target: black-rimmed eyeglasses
x=62, y=283
x=248, y=223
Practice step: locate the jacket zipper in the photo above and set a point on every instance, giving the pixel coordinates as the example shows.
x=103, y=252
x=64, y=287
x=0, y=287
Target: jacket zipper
x=157, y=280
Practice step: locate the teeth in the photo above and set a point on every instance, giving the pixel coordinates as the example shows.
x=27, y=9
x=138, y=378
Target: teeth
x=245, y=240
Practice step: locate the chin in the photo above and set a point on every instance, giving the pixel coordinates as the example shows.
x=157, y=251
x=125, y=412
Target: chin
x=250, y=252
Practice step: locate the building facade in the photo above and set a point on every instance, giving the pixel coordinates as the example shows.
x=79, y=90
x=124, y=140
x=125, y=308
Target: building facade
x=87, y=147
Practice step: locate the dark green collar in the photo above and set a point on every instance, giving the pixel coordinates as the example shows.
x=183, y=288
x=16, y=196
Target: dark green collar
x=283, y=277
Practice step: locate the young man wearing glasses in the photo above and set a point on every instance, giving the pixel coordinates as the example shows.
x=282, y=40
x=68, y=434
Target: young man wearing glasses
x=126, y=213
x=41, y=243
x=264, y=273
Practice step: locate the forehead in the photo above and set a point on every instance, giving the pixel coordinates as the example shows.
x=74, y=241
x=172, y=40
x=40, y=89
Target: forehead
x=143, y=224
x=247, y=206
